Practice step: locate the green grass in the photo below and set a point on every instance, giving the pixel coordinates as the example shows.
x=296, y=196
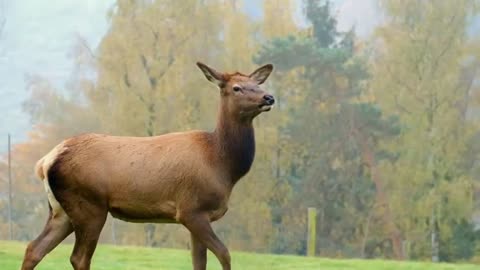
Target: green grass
x=140, y=258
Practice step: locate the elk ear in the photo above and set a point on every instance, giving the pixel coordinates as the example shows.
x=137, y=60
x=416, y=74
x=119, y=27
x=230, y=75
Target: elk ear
x=211, y=74
x=261, y=74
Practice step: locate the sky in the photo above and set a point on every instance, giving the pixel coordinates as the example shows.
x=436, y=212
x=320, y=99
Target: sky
x=37, y=40
x=39, y=35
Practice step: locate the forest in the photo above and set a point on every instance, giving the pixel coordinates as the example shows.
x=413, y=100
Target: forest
x=380, y=134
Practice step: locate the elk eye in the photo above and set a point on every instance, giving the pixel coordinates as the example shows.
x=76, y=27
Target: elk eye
x=237, y=88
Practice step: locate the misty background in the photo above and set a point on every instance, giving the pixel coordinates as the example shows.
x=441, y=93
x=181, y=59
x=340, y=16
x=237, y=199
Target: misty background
x=376, y=123
x=38, y=39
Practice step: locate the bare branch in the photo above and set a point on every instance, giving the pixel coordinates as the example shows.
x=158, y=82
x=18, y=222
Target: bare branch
x=465, y=85
x=171, y=57
x=3, y=16
x=84, y=45
x=400, y=106
x=2, y=25
x=406, y=86
x=448, y=45
x=126, y=81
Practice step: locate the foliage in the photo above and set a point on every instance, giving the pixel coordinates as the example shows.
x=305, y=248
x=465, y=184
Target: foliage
x=419, y=76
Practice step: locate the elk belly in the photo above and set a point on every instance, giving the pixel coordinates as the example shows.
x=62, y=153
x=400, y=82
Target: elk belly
x=157, y=213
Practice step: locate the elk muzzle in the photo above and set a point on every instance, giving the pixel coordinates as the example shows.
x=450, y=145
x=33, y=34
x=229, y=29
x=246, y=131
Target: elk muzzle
x=268, y=101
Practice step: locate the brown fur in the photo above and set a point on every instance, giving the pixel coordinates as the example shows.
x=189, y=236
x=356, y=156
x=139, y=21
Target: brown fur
x=182, y=177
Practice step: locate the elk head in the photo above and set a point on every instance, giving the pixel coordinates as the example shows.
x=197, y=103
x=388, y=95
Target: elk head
x=241, y=95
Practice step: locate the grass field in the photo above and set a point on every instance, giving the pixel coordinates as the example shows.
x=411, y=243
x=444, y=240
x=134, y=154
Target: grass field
x=139, y=258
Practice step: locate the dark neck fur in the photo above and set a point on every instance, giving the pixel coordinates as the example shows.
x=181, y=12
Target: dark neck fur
x=236, y=144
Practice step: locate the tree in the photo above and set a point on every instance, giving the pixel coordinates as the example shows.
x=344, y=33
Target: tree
x=417, y=76
x=324, y=133
x=278, y=18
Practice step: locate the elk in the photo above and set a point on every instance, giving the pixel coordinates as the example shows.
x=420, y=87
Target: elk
x=182, y=177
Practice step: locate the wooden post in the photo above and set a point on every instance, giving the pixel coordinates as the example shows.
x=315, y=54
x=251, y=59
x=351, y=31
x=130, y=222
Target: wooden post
x=312, y=226
x=114, y=232
x=10, y=228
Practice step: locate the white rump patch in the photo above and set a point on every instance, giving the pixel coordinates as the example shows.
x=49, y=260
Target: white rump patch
x=57, y=209
x=48, y=160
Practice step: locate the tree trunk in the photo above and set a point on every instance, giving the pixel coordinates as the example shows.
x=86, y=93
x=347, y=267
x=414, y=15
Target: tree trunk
x=149, y=235
x=365, y=236
x=381, y=201
x=435, y=239
x=151, y=119
x=114, y=232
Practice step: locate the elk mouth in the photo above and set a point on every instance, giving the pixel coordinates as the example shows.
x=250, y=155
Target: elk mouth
x=265, y=107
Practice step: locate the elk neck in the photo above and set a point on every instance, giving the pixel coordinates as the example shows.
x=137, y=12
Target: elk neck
x=235, y=141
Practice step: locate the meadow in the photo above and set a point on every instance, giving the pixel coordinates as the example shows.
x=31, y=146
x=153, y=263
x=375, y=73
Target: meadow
x=141, y=258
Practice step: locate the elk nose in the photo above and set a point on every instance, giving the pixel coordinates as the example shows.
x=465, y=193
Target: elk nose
x=269, y=99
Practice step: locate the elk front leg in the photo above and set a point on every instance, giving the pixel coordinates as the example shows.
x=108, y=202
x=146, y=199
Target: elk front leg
x=199, y=254
x=199, y=226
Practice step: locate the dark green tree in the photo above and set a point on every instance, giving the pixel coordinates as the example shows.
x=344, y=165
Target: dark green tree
x=332, y=131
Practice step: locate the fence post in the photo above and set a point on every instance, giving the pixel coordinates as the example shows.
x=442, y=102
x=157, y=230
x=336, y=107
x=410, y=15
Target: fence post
x=114, y=232
x=312, y=226
x=10, y=229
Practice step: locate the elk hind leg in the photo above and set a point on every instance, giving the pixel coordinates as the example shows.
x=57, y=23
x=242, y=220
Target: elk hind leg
x=87, y=233
x=58, y=227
